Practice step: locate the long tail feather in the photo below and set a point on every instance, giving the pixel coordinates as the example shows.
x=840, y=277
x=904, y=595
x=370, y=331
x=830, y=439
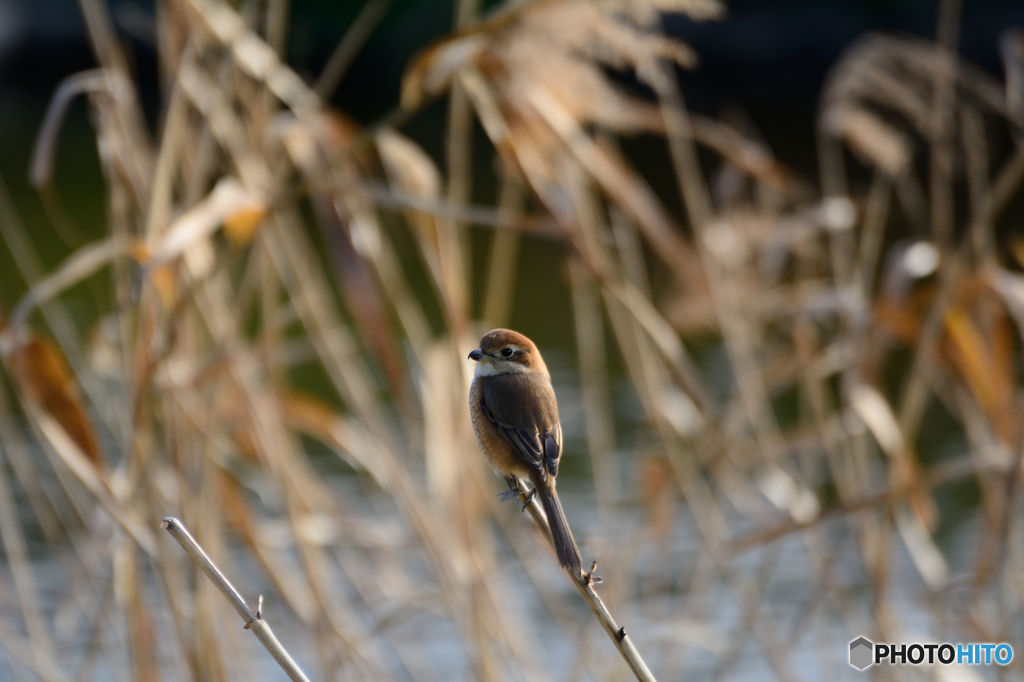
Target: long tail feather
x=565, y=546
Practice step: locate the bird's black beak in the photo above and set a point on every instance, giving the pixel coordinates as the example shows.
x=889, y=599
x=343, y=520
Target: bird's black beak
x=476, y=354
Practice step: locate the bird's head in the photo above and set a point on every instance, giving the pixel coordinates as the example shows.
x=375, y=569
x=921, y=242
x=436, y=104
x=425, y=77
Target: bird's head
x=503, y=351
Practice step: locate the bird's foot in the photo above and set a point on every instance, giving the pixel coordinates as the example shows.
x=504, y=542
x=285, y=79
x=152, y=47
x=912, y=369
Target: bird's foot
x=507, y=495
x=529, y=498
x=514, y=489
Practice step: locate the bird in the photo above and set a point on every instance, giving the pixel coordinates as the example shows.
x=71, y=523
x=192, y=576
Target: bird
x=515, y=417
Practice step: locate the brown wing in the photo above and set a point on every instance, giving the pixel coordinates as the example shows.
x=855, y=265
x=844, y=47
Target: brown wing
x=523, y=408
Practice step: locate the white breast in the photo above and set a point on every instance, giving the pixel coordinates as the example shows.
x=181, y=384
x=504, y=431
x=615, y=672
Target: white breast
x=485, y=368
x=490, y=368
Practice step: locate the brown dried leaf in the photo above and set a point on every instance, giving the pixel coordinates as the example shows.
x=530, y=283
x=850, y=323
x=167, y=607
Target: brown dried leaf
x=241, y=225
x=984, y=367
x=46, y=381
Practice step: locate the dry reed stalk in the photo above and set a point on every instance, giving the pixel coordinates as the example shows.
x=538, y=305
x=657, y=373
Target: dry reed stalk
x=254, y=620
x=585, y=585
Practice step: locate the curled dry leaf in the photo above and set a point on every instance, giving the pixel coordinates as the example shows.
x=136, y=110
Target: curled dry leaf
x=229, y=200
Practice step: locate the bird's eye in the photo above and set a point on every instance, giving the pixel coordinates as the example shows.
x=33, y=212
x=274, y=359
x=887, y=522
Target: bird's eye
x=507, y=352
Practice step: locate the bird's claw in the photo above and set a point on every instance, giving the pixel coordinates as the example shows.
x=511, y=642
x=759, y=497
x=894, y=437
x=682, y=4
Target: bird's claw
x=514, y=489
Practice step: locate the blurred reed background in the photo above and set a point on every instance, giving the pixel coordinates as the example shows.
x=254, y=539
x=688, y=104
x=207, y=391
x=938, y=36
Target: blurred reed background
x=791, y=390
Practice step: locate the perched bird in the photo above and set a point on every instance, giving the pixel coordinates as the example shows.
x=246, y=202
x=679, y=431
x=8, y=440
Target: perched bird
x=515, y=417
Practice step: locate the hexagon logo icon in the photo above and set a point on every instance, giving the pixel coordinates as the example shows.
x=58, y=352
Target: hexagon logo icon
x=861, y=653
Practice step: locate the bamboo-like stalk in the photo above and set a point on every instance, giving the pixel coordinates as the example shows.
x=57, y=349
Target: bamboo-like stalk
x=585, y=586
x=253, y=619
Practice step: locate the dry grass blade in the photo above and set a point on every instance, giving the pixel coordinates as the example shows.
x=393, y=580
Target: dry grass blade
x=348, y=47
x=85, y=262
